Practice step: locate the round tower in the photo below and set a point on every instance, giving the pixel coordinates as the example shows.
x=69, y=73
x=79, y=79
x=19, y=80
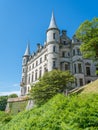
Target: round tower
x=53, y=40
x=24, y=71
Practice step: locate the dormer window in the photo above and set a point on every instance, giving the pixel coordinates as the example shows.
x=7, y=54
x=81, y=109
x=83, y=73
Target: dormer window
x=53, y=35
x=64, y=42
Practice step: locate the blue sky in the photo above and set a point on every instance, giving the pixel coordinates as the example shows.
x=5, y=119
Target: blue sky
x=27, y=20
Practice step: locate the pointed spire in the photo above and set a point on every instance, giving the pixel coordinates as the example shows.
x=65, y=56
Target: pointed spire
x=52, y=22
x=27, y=52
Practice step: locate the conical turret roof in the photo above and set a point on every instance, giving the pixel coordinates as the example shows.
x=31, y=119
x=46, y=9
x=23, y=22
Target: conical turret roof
x=52, y=22
x=27, y=52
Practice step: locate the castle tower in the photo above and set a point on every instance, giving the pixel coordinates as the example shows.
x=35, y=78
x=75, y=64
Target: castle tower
x=24, y=70
x=53, y=40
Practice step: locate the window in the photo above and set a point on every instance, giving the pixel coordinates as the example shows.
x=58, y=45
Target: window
x=29, y=68
x=79, y=68
x=33, y=66
x=40, y=72
x=54, y=48
x=53, y=35
x=76, y=82
x=73, y=52
x=23, y=70
x=63, y=54
x=23, y=79
x=88, y=70
x=74, y=68
x=45, y=57
x=23, y=61
x=36, y=75
x=29, y=79
x=64, y=42
x=66, y=67
x=68, y=54
x=36, y=63
x=40, y=60
x=53, y=64
x=32, y=76
x=81, y=82
x=45, y=69
x=78, y=51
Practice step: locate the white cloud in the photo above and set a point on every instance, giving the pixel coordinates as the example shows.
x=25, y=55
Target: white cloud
x=10, y=92
x=16, y=85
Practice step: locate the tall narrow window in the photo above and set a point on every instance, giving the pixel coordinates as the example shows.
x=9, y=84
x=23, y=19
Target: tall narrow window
x=66, y=67
x=88, y=70
x=23, y=79
x=33, y=66
x=53, y=35
x=40, y=60
x=36, y=75
x=73, y=52
x=45, y=57
x=76, y=82
x=63, y=54
x=74, y=68
x=78, y=51
x=36, y=63
x=81, y=82
x=54, y=49
x=32, y=76
x=79, y=68
x=29, y=79
x=53, y=64
x=40, y=72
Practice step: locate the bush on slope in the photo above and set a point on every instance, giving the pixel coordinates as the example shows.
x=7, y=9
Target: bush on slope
x=78, y=112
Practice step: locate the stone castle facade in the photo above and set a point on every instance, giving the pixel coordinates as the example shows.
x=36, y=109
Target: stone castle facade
x=58, y=52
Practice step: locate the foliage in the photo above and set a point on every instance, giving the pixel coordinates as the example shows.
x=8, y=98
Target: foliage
x=4, y=118
x=3, y=102
x=13, y=95
x=50, y=84
x=77, y=112
x=88, y=34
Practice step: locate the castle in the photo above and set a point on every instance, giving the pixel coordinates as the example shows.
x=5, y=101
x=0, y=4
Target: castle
x=58, y=52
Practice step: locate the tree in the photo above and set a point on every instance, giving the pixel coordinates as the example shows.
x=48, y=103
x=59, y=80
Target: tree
x=88, y=34
x=13, y=95
x=3, y=102
x=50, y=84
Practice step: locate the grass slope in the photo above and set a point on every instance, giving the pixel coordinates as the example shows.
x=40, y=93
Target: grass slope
x=89, y=88
x=75, y=112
